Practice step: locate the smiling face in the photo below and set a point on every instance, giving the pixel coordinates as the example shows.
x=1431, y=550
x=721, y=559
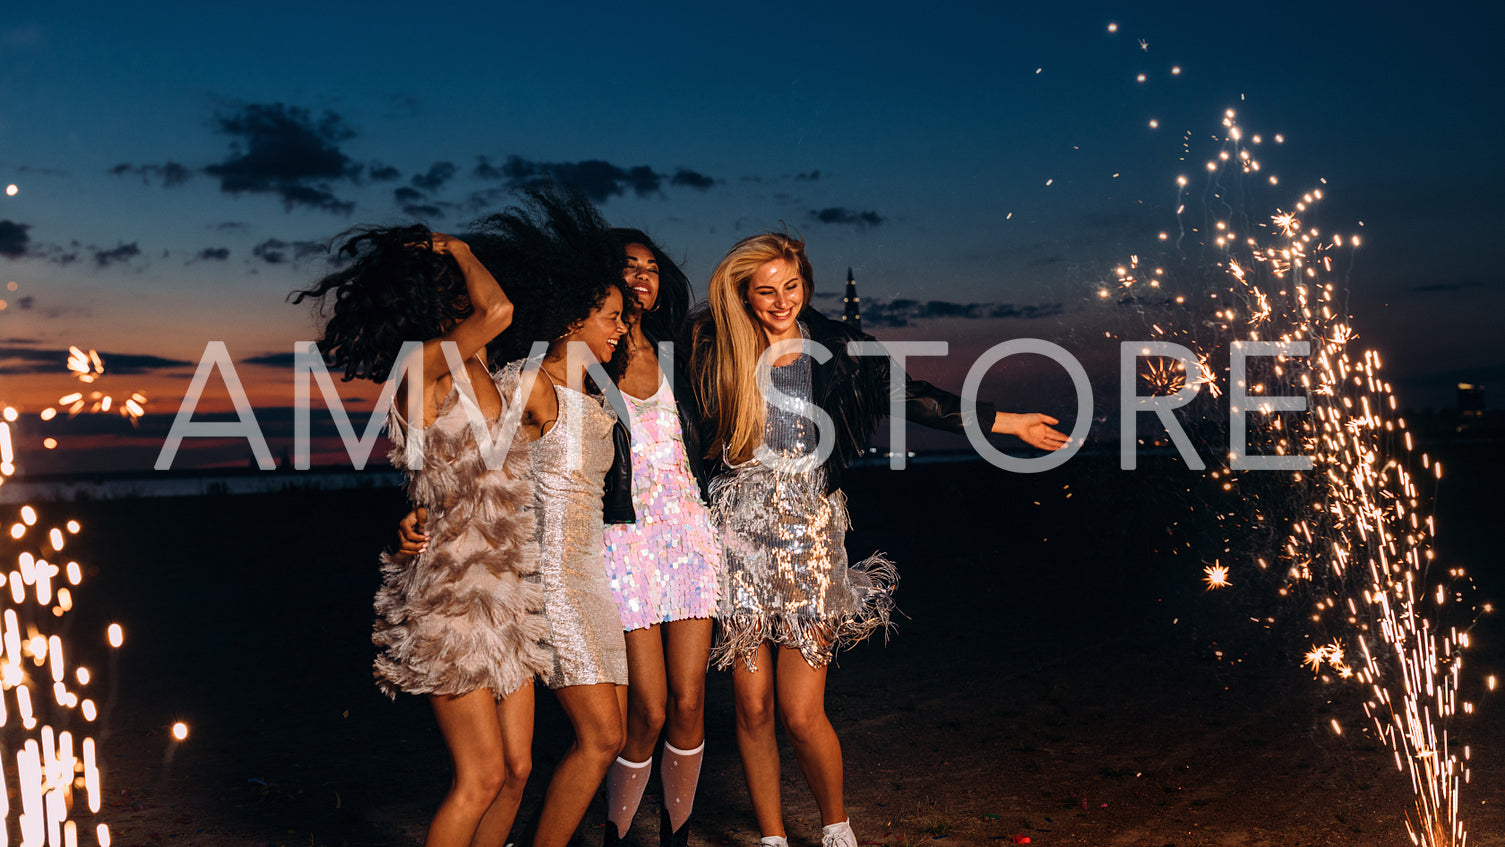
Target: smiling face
x=775, y=294
x=641, y=275
x=602, y=329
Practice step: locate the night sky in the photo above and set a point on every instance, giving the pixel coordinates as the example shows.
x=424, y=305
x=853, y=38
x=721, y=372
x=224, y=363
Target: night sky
x=178, y=171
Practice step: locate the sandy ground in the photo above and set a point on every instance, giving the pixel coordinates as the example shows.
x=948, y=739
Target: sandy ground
x=1061, y=676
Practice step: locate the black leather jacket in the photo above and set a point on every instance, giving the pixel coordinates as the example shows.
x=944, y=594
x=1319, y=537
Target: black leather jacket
x=853, y=390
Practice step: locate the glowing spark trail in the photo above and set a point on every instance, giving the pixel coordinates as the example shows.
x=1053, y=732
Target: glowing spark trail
x=52, y=767
x=88, y=368
x=1357, y=533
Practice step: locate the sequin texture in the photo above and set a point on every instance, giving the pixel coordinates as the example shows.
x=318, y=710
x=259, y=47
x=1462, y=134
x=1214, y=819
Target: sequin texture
x=663, y=567
x=786, y=577
x=569, y=465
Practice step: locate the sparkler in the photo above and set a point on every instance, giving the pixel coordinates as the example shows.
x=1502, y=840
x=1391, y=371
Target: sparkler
x=40, y=700
x=1359, y=539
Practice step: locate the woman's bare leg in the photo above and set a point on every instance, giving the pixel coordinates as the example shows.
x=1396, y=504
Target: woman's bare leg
x=515, y=715
x=684, y=736
x=685, y=661
x=753, y=694
x=647, y=692
x=802, y=708
x=469, y=725
x=597, y=713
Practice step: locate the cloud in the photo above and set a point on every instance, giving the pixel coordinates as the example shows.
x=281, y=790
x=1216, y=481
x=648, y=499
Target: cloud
x=904, y=312
x=438, y=174
x=691, y=179
x=274, y=251
x=119, y=253
x=213, y=254
x=28, y=357
x=843, y=215
x=377, y=172
x=171, y=174
x=13, y=239
x=811, y=176
x=281, y=361
x=281, y=150
x=1446, y=287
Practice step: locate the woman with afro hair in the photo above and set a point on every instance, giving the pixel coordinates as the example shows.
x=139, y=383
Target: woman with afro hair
x=509, y=464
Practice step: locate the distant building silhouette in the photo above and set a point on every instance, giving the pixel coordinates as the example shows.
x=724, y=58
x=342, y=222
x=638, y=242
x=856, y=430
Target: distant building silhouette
x=853, y=312
x=1470, y=398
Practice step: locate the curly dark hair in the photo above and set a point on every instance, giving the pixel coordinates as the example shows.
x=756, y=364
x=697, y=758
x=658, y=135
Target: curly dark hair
x=552, y=255
x=394, y=289
x=556, y=259
x=666, y=320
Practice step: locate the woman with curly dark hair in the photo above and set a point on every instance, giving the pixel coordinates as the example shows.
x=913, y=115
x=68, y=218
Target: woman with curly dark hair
x=511, y=529
x=463, y=621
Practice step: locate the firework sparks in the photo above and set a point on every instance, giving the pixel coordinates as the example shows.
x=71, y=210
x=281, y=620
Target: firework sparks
x=51, y=766
x=88, y=367
x=1357, y=535
x=1216, y=576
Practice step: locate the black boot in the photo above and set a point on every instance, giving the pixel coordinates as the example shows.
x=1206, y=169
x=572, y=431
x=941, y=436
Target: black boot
x=668, y=837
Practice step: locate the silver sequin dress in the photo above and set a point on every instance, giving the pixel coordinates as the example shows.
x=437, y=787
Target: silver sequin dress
x=467, y=613
x=569, y=465
x=785, y=577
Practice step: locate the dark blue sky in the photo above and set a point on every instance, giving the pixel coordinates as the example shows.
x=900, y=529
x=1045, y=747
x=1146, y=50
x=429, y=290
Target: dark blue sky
x=176, y=168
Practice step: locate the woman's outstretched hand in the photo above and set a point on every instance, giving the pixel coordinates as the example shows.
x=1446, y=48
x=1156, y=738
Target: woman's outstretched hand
x=1032, y=428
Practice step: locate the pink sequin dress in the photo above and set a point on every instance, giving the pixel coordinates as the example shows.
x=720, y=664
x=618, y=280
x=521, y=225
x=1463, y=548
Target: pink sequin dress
x=663, y=567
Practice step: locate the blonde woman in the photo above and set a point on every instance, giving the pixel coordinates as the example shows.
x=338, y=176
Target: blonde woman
x=790, y=599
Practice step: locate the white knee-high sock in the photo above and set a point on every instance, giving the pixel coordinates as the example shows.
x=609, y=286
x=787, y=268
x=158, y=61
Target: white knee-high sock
x=624, y=791
x=680, y=773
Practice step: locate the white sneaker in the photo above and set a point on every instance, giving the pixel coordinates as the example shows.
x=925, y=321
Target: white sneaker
x=838, y=835
x=773, y=841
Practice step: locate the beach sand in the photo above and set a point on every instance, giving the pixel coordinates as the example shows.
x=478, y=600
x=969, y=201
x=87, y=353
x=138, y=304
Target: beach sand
x=1059, y=674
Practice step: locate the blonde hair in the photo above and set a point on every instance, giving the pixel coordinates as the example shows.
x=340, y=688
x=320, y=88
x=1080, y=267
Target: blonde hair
x=725, y=364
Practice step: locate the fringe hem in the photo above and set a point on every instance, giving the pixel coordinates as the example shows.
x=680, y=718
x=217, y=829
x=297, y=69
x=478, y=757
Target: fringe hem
x=873, y=581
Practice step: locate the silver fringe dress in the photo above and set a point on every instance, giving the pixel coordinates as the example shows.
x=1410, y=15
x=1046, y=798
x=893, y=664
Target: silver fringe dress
x=785, y=577
x=467, y=613
x=569, y=464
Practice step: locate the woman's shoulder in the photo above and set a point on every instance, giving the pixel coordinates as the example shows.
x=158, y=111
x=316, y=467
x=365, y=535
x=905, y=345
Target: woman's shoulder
x=828, y=331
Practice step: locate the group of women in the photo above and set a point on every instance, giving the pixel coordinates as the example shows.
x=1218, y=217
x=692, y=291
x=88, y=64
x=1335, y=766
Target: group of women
x=551, y=524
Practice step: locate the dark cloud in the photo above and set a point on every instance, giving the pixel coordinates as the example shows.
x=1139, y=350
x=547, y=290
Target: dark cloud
x=128, y=364
x=438, y=174
x=29, y=358
x=812, y=176
x=13, y=239
x=843, y=215
x=594, y=178
x=214, y=254
x=26, y=303
x=410, y=201
x=1446, y=287
x=274, y=251
x=16, y=360
x=691, y=179
x=282, y=361
x=422, y=211
x=171, y=174
x=119, y=253
x=377, y=172
x=279, y=149
x=903, y=312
